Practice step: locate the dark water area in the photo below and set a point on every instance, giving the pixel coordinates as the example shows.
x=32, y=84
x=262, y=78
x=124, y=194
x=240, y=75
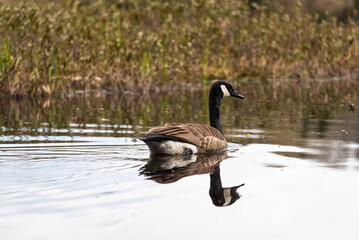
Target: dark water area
x=74, y=167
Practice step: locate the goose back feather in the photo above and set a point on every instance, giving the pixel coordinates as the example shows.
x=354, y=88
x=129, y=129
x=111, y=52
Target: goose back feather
x=205, y=138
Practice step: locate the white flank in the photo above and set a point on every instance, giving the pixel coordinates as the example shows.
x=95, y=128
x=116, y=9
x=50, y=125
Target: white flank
x=170, y=147
x=225, y=91
x=178, y=162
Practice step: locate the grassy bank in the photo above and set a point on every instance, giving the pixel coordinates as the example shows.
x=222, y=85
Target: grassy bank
x=75, y=45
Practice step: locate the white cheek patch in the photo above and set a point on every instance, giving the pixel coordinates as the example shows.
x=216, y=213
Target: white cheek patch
x=227, y=196
x=225, y=91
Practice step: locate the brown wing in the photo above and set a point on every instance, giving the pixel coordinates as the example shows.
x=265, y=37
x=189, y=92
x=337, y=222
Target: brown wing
x=206, y=138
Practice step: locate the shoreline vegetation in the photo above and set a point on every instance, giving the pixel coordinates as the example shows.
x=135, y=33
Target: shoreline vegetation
x=80, y=46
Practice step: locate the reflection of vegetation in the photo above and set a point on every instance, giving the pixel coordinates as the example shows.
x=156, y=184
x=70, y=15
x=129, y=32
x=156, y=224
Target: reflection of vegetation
x=305, y=123
x=88, y=45
x=323, y=123
x=292, y=113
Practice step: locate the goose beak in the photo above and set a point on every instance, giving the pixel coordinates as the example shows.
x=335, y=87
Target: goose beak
x=236, y=95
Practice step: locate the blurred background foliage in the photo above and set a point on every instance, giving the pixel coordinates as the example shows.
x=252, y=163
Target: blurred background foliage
x=62, y=47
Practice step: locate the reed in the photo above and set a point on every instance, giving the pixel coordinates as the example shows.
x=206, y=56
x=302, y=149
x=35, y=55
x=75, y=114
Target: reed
x=70, y=46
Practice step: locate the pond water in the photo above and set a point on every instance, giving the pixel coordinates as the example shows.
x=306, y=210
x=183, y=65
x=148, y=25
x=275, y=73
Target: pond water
x=74, y=168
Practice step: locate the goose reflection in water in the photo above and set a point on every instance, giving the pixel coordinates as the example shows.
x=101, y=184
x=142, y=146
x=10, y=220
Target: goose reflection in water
x=171, y=168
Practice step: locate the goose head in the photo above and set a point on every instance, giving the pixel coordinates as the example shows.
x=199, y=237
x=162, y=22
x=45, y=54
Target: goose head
x=219, y=90
x=222, y=89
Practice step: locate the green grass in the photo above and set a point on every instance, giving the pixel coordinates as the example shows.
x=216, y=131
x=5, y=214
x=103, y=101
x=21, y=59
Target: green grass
x=50, y=49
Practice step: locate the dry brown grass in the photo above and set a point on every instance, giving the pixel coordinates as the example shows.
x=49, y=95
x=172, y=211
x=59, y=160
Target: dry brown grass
x=77, y=46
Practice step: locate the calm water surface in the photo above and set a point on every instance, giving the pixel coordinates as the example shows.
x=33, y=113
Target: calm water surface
x=74, y=169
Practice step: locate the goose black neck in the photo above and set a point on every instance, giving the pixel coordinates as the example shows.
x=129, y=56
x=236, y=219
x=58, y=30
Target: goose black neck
x=215, y=99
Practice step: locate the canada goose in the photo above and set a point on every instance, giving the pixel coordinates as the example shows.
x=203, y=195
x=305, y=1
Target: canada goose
x=181, y=138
